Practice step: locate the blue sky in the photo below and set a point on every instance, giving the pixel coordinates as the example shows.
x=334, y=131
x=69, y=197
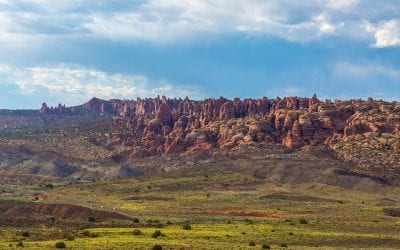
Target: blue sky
x=71, y=50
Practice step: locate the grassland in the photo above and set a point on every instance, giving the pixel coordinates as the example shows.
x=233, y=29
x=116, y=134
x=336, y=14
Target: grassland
x=227, y=210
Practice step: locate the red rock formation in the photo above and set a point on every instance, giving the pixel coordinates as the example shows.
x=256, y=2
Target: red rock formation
x=161, y=125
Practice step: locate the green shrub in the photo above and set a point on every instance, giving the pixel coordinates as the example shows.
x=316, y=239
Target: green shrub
x=69, y=237
x=20, y=244
x=94, y=235
x=86, y=232
x=137, y=232
x=136, y=220
x=156, y=234
x=157, y=247
x=25, y=234
x=159, y=225
x=60, y=244
x=265, y=246
x=283, y=245
x=91, y=219
x=252, y=244
x=303, y=221
x=187, y=227
x=290, y=233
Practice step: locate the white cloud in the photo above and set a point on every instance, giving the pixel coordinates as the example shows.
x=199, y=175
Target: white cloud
x=366, y=71
x=386, y=34
x=171, y=20
x=75, y=85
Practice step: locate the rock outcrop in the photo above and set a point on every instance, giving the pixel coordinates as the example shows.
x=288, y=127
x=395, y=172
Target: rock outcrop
x=165, y=126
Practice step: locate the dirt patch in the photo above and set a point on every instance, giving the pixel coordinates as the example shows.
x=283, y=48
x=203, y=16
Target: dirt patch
x=395, y=212
x=248, y=214
x=149, y=198
x=295, y=197
x=386, y=202
x=30, y=209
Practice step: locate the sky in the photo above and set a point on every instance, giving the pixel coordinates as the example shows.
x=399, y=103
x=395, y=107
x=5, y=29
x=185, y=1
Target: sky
x=68, y=51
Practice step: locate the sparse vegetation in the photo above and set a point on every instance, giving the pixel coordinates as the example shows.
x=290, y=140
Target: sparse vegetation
x=86, y=233
x=94, y=235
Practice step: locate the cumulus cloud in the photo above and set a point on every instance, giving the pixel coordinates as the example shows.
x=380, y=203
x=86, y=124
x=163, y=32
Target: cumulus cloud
x=75, y=85
x=386, y=34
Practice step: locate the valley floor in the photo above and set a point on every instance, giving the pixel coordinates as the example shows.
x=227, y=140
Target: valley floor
x=225, y=210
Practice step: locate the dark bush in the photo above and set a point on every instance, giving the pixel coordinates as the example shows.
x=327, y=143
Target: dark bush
x=303, y=221
x=136, y=220
x=265, y=246
x=60, y=244
x=25, y=234
x=137, y=232
x=91, y=219
x=157, y=247
x=252, y=244
x=283, y=245
x=290, y=233
x=156, y=234
x=20, y=244
x=187, y=227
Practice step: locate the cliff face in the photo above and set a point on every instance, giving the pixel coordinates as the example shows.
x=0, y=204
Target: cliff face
x=163, y=126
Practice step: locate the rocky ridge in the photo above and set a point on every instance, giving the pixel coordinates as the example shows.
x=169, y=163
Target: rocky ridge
x=353, y=129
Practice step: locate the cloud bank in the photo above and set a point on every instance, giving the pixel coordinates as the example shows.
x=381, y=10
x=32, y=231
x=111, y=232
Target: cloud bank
x=76, y=85
x=161, y=21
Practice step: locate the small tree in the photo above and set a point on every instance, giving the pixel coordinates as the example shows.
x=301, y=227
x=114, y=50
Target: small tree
x=265, y=246
x=137, y=232
x=157, y=247
x=156, y=234
x=91, y=219
x=187, y=227
x=60, y=244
